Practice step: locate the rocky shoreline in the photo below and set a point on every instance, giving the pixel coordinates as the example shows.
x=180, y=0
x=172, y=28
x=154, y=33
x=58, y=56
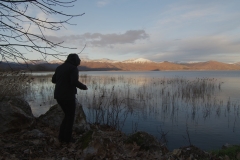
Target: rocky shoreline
x=22, y=136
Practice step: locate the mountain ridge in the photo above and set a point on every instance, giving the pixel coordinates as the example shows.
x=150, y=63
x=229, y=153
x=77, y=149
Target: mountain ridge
x=137, y=64
x=159, y=66
x=136, y=60
x=106, y=60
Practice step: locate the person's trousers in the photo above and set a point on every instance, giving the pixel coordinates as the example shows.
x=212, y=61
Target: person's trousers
x=65, y=132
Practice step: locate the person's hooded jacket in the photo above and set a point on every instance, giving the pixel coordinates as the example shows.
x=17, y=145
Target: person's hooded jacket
x=66, y=79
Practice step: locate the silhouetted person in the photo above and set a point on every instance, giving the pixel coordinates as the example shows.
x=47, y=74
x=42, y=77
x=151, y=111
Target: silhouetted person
x=66, y=80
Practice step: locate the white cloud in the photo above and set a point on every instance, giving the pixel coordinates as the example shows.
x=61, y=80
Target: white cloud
x=102, y=40
x=156, y=47
x=222, y=48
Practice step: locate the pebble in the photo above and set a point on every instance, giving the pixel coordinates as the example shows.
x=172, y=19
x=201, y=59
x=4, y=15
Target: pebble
x=176, y=152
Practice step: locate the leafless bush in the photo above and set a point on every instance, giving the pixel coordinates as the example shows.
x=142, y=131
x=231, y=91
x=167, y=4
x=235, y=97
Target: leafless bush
x=14, y=84
x=163, y=135
x=23, y=31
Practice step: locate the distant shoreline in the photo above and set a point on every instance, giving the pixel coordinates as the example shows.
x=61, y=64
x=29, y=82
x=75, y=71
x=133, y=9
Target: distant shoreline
x=106, y=66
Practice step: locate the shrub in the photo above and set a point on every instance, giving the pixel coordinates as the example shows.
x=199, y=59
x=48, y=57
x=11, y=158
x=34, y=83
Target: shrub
x=14, y=84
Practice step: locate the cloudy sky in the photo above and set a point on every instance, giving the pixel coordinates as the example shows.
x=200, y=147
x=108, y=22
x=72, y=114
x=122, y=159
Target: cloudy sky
x=159, y=30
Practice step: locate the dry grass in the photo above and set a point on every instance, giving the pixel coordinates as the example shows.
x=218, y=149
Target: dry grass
x=14, y=84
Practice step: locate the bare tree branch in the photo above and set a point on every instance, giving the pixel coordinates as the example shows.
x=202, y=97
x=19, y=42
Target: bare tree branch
x=22, y=32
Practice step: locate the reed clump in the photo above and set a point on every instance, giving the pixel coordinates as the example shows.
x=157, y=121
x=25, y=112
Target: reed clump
x=152, y=97
x=14, y=84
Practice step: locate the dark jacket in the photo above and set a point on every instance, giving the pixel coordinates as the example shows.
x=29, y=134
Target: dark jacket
x=66, y=79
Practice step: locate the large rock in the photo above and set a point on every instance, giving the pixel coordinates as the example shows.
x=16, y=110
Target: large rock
x=15, y=115
x=54, y=116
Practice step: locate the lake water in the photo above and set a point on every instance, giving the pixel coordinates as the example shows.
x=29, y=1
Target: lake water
x=178, y=107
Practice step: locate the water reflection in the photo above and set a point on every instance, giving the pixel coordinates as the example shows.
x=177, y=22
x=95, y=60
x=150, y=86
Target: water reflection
x=40, y=94
x=179, y=106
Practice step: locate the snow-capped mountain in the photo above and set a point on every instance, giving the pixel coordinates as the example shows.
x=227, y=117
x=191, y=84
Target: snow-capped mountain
x=186, y=62
x=138, y=64
x=135, y=60
x=56, y=62
x=138, y=60
x=104, y=60
x=237, y=63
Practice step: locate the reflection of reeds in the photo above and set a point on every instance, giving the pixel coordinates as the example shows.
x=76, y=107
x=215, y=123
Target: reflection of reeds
x=162, y=135
x=108, y=109
x=111, y=99
x=162, y=97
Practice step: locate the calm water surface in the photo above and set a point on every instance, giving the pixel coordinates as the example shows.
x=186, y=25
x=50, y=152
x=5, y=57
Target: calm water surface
x=202, y=104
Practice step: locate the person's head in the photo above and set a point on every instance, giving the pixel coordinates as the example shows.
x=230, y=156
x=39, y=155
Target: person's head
x=73, y=59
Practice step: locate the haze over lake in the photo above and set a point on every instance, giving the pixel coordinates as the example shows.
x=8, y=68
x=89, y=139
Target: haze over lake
x=202, y=104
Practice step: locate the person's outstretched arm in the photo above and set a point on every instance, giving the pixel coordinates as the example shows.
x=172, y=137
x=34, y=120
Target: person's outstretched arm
x=75, y=82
